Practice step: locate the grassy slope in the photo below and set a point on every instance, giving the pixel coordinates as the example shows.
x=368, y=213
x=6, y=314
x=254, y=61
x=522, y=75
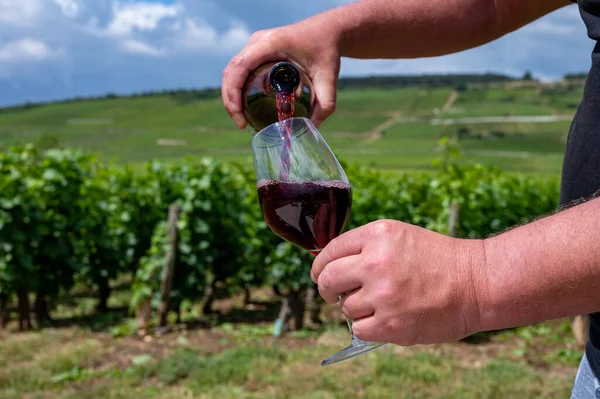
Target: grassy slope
x=237, y=358
x=129, y=128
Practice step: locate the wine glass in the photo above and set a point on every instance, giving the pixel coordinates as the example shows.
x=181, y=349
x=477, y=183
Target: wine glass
x=304, y=195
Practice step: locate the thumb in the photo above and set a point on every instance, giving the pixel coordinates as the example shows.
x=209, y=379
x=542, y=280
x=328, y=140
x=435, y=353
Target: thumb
x=325, y=86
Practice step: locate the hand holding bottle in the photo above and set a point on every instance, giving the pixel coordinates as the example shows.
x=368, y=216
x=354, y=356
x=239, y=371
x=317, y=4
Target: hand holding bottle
x=307, y=44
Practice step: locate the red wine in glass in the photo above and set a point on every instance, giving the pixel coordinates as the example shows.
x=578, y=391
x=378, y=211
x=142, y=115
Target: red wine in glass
x=308, y=214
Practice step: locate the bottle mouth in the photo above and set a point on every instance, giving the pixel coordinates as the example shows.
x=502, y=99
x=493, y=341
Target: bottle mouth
x=284, y=77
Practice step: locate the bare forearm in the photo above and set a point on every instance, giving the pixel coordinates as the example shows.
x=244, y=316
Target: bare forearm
x=417, y=28
x=545, y=270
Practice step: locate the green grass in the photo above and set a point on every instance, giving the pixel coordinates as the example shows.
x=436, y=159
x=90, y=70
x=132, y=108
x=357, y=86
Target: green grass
x=351, y=123
x=131, y=129
x=404, y=100
x=522, y=147
x=83, y=365
x=243, y=360
x=500, y=102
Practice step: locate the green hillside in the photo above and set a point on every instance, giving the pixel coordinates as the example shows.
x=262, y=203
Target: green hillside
x=396, y=128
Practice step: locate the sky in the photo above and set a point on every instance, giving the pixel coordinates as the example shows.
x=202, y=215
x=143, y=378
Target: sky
x=57, y=49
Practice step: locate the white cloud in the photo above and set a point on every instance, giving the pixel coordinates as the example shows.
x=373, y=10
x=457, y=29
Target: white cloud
x=553, y=28
x=138, y=47
x=70, y=8
x=236, y=37
x=25, y=50
x=19, y=12
x=198, y=35
x=566, y=21
x=140, y=16
x=156, y=29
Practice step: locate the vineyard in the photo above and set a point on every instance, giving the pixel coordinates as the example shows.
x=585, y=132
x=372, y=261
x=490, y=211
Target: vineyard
x=135, y=260
x=67, y=218
x=162, y=280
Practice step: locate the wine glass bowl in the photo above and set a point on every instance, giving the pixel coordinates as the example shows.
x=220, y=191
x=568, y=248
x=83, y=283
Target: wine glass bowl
x=304, y=194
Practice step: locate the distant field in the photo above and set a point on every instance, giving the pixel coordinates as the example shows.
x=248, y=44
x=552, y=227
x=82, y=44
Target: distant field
x=389, y=129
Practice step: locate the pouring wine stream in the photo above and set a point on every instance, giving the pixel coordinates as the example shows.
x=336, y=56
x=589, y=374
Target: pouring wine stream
x=285, y=79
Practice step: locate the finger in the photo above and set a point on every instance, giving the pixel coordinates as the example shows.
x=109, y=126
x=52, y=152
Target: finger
x=348, y=244
x=367, y=329
x=231, y=89
x=339, y=277
x=325, y=95
x=356, y=305
x=238, y=70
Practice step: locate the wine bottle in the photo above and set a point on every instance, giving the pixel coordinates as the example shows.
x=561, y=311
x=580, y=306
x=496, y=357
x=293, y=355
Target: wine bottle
x=265, y=88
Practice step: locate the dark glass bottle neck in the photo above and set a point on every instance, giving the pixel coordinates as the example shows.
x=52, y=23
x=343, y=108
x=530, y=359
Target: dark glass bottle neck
x=284, y=77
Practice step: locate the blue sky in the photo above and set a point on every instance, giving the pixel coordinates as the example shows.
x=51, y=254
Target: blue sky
x=53, y=49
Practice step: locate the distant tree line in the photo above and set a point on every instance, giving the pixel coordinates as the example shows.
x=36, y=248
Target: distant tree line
x=178, y=95
x=459, y=82
x=576, y=76
x=428, y=81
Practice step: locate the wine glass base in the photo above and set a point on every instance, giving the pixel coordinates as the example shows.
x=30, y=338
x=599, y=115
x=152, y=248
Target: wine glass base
x=357, y=348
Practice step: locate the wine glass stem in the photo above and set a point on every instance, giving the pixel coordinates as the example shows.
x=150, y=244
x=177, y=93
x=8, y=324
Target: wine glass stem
x=348, y=321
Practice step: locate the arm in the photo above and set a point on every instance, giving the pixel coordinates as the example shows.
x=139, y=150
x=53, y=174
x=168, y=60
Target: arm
x=375, y=29
x=544, y=270
x=417, y=28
